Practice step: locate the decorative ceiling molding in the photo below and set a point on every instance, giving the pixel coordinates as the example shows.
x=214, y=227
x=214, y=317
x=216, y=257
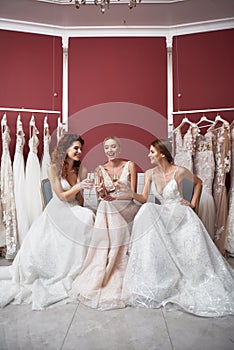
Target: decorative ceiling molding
x=117, y=31
x=72, y=2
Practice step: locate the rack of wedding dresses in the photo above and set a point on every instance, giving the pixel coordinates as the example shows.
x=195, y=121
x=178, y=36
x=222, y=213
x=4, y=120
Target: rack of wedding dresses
x=207, y=149
x=20, y=186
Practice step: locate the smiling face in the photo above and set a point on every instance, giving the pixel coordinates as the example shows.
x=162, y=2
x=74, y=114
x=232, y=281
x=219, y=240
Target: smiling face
x=74, y=151
x=111, y=149
x=154, y=155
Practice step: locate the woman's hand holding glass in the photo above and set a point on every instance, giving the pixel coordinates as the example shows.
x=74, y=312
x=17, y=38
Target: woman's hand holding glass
x=124, y=189
x=86, y=184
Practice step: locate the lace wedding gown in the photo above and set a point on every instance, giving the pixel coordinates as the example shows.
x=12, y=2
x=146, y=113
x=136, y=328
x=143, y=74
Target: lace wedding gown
x=50, y=257
x=185, y=148
x=204, y=168
x=174, y=262
x=46, y=159
x=222, y=151
x=9, y=233
x=100, y=283
x=230, y=221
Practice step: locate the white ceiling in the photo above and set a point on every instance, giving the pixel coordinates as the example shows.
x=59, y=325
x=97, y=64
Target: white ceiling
x=165, y=18
x=147, y=13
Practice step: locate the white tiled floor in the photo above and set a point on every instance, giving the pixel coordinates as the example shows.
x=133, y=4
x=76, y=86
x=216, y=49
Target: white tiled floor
x=74, y=326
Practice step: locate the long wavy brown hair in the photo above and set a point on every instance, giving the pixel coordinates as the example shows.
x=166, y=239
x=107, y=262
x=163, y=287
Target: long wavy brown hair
x=59, y=155
x=162, y=148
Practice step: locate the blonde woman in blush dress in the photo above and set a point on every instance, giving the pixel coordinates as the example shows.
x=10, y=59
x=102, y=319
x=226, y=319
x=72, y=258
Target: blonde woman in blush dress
x=100, y=283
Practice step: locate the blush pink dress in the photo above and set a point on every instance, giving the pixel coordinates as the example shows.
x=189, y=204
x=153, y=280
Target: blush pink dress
x=100, y=283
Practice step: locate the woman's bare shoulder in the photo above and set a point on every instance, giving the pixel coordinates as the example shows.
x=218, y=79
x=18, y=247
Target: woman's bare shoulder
x=52, y=170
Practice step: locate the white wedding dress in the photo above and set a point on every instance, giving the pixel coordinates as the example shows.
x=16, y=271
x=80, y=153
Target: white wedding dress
x=50, y=257
x=173, y=261
x=19, y=182
x=33, y=177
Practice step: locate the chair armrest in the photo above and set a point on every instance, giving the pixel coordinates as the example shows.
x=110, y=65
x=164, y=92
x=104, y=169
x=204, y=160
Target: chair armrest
x=46, y=191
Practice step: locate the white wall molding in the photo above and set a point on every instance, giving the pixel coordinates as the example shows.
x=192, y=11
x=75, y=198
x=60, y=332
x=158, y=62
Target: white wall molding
x=117, y=31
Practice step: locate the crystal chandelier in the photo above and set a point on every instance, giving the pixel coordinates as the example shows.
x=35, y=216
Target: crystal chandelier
x=104, y=4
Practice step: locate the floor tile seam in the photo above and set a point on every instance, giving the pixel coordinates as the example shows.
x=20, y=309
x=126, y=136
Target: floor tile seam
x=69, y=326
x=167, y=328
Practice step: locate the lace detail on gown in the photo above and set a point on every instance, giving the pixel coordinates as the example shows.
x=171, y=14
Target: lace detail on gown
x=173, y=261
x=230, y=221
x=100, y=283
x=222, y=166
x=204, y=168
x=9, y=234
x=185, y=148
x=45, y=162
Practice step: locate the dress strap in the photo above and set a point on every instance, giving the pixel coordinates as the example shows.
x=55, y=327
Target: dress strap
x=175, y=172
x=125, y=170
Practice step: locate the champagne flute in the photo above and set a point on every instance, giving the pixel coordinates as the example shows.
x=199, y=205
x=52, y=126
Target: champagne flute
x=91, y=179
x=97, y=179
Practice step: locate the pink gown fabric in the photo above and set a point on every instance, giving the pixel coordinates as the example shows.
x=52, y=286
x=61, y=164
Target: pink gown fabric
x=230, y=222
x=222, y=152
x=100, y=283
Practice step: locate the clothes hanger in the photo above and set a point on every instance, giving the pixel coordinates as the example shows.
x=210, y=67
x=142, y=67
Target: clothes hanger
x=4, y=122
x=205, y=119
x=32, y=127
x=19, y=124
x=60, y=130
x=184, y=121
x=219, y=119
x=46, y=126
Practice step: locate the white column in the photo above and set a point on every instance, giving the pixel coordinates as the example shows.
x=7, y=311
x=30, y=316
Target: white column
x=65, y=40
x=169, y=39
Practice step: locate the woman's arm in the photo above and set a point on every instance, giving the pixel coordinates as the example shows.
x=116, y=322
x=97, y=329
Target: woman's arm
x=133, y=176
x=142, y=198
x=58, y=190
x=130, y=194
x=186, y=174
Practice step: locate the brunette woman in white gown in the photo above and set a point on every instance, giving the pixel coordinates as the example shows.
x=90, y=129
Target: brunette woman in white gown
x=173, y=261
x=55, y=246
x=100, y=283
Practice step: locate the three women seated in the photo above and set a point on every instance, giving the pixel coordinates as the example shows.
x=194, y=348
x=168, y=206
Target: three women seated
x=150, y=256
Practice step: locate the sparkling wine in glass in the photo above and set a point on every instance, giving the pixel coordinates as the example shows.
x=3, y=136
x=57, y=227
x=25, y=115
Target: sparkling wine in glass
x=97, y=179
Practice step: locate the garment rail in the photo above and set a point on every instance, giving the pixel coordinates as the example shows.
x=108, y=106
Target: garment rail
x=204, y=110
x=6, y=109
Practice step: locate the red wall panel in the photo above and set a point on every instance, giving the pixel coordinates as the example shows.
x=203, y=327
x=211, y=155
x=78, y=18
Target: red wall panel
x=31, y=72
x=204, y=71
x=118, y=70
